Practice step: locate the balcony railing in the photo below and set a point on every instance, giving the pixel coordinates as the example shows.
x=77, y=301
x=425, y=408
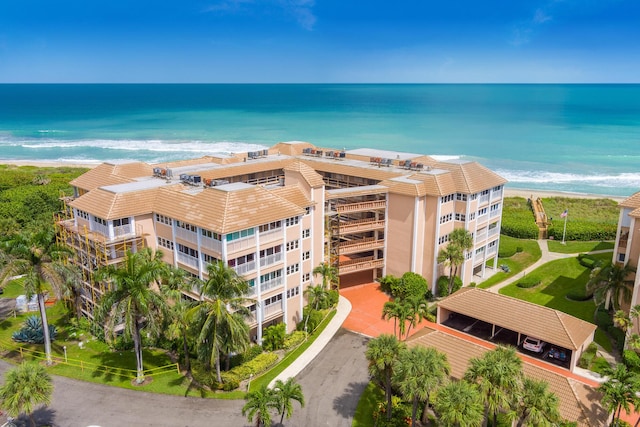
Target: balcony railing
x=362, y=206
x=271, y=259
x=272, y=309
x=270, y=284
x=188, y=260
x=360, y=225
x=496, y=195
x=123, y=230
x=211, y=244
x=360, y=264
x=492, y=250
x=102, y=229
x=360, y=245
x=187, y=235
x=245, y=268
x=494, y=214
x=493, y=231
x=483, y=199
x=481, y=236
x=241, y=244
x=268, y=236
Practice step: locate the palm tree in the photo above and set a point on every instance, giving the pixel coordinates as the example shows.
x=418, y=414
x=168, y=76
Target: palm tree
x=286, y=392
x=26, y=386
x=381, y=354
x=537, y=405
x=259, y=404
x=132, y=301
x=498, y=374
x=620, y=391
x=419, y=308
x=173, y=285
x=460, y=240
x=221, y=314
x=417, y=373
x=622, y=320
x=328, y=273
x=391, y=310
x=317, y=296
x=459, y=404
x=610, y=284
x=41, y=260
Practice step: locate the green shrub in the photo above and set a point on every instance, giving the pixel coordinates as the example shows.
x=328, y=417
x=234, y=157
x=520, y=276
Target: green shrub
x=529, y=281
x=32, y=331
x=603, y=318
x=507, y=252
x=518, y=220
x=294, y=339
x=273, y=337
x=587, y=356
x=254, y=367
x=579, y=295
x=387, y=283
x=332, y=298
x=618, y=336
x=315, y=317
x=204, y=376
x=230, y=385
x=631, y=360
x=443, y=285
x=600, y=365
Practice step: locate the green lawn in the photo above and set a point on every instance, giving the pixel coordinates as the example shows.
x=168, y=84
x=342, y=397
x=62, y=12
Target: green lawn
x=366, y=405
x=578, y=247
x=517, y=263
x=93, y=361
x=559, y=278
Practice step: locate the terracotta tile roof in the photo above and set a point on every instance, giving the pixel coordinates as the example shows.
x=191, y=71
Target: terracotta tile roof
x=244, y=168
x=353, y=168
x=632, y=202
x=109, y=174
x=312, y=177
x=291, y=148
x=437, y=182
x=550, y=325
x=405, y=186
x=226, y=208
x=578, y=401
x=292, y=194
x=470, y=177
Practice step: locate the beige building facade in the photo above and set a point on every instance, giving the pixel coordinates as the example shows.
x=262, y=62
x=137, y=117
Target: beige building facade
x=627, y=247
x=275, y=214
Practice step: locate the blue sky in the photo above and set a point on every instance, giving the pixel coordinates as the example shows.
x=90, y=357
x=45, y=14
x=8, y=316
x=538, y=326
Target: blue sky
x=242, y=41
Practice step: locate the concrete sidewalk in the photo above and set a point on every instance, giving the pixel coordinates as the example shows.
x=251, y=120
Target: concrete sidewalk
x=342, y=311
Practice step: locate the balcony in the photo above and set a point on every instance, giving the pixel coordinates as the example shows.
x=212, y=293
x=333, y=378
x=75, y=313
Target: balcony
x=495, y=213
x=481, y=235
x=123, y=231
x=360, y=245
x=360, y=264
x=495, y=195
x=271, y=259
x=188, y=260
x=270, y=284
x=245, y=268
x=492, y=250
x=272, y=310
x=186, y=235
x=362, y=206
x=483, y=199
x=211, y=244
x=360, y=225
x=241, y=244
x=493, y=231
x=271, y=235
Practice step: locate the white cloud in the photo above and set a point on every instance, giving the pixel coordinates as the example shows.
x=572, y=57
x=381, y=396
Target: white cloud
x=300, y=10
x=228, y=6
x=523, y=32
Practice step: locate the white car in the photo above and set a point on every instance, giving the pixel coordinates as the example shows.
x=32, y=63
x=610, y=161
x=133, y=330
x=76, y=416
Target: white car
x=533, y=344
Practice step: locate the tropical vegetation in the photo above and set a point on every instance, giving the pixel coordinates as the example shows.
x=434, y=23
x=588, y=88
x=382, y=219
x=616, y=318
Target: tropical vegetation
x=26, y=387
x=261, y=402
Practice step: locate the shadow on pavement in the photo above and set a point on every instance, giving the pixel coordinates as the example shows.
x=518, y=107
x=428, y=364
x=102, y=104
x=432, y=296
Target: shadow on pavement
x=343, y=404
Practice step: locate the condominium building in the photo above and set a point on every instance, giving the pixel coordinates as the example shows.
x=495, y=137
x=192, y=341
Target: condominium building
x=627, y=246
x=275, y=214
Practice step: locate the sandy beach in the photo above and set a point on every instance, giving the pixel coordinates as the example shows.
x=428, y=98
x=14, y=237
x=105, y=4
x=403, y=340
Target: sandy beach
x=508, y=192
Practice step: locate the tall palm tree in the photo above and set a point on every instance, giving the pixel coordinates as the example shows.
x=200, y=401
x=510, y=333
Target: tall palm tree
x=460, y=241
x=173, y=285
x=391, y=310
x=459, y=404
x=286, y=392
x=610, y=284
x=26, y=386
x=419, y=308
x=131, y=301
x=620, y=391
x=317, y=296
x=41, y=260
x=328, y=273
x=417, y=373
x=259, y=404
x=537, y=405
x=381, y=354
x=220, y=315
x=498, y=374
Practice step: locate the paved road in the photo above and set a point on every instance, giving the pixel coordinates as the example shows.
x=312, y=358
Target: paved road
x=332, y=385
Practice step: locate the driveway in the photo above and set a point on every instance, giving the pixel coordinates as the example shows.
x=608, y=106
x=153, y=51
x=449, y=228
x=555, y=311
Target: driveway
x=332, y=385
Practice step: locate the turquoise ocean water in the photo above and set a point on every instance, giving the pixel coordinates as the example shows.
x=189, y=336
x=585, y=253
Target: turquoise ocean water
x=577, y=138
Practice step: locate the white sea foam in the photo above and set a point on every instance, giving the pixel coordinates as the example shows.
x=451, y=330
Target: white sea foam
x=625, y=179
x=153, y=145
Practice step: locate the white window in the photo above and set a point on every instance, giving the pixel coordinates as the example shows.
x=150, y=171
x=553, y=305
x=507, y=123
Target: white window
x=99, y=220
x=164, y=219
x=448, y=198
x=472, y=216
x=482, y=211
x=306, y=277
x=462, y=197
x=446, y=218
x=292, y=245
x=165, y=243
x=292, y=221
x=210, y=234
x=443, y=239
x=460, y=217
x=306, y=233
x=293, y=268
x=293, y=292
x=495, y=207
x=306, y=255
x=307, y=210
x=82, y=214
x=209, y=259
x=271, y=226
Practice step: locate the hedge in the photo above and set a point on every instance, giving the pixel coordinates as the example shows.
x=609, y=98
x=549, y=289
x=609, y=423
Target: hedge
x=529, y=281
x=443, y=285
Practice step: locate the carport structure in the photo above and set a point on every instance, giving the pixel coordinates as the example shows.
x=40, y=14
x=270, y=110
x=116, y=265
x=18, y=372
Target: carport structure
x=524, y=318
